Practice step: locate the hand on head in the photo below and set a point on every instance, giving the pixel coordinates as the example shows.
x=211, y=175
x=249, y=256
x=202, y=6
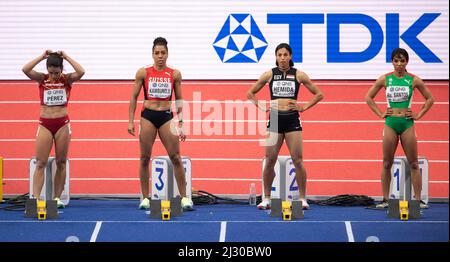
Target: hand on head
x=62, y=54
x=46, y=53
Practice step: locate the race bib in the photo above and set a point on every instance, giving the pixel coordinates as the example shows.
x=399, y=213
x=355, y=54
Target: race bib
x=55, y=97
x=397, y=94
x=283, y=88
x=159, y=89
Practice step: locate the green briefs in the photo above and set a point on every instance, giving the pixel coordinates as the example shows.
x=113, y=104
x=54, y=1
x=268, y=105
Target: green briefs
x=399, y=124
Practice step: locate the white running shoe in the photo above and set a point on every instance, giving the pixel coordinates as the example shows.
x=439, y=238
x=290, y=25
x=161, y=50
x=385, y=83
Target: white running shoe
x=305, y=204
x=265, y=204
x=145, y=204
x=423, y=205
x=59, y=203
x=187, y=204
x=383, y=204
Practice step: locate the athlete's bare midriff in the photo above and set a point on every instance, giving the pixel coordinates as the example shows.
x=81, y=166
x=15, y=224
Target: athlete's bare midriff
x=399, y=112
x=53, y=111
x=157, y=105
x=281, y=104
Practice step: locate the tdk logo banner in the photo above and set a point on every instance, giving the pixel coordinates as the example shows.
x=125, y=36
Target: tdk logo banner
x=334, y=21
x=240, y=40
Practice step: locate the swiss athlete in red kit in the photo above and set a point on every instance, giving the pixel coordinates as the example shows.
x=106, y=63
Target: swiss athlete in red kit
x=159, y=82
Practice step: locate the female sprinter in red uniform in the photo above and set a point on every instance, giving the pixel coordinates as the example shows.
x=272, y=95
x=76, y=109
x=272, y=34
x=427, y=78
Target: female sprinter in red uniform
x=159, y=82
x=284, y=123
x=54, y=126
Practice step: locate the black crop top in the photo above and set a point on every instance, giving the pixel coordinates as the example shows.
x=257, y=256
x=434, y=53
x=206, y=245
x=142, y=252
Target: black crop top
x=284, y=85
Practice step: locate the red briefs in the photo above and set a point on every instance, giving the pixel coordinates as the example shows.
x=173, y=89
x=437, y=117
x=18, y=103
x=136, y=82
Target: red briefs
x=54, y=124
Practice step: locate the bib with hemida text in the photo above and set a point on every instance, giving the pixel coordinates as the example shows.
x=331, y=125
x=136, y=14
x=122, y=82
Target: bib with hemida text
x=283, y=88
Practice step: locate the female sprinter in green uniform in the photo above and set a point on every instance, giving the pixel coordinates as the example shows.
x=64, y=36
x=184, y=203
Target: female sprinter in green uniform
x=399, y=86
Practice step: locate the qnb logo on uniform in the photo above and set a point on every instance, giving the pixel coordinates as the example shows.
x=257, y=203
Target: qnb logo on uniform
x=240, y=40
x=55, y=97
x=397, y=93
x=159, y=87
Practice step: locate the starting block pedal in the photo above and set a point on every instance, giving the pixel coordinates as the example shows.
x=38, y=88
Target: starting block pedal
x=404, y=209
x=164, y=209
x=41, y=209
x=288, y=210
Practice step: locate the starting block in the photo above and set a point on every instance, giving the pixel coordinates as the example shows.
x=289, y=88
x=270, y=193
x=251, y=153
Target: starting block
x=166, y=209
x=164, y=184
x=48, y=191
x=284, y=185
x=401, y=187
x=288, y=210
x=405, y=209
x=41, y=209
x=401, y=203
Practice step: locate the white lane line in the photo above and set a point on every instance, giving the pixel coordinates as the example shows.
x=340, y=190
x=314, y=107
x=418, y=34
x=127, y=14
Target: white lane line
x=231, y=221
x=98, y=225
x=222, y=140
x=226, y=179
x=223, y=231
x=218, y=159
x=230, y=121
x=348, y=228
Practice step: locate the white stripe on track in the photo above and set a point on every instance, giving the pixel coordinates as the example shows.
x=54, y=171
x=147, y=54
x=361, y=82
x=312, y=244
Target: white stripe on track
x=232, y=121
x=223, y=231
x=214, y=159
x=94, y=236
x=223, y=140
x=231, y=221
x=348, y=228
x=225, y=179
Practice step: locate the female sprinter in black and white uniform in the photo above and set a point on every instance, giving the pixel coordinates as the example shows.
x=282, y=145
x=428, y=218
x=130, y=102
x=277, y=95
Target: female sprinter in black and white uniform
x=158, y=82
x=284, y=124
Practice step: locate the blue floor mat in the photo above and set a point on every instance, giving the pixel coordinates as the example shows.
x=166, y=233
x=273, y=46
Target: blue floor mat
x=122, y=221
